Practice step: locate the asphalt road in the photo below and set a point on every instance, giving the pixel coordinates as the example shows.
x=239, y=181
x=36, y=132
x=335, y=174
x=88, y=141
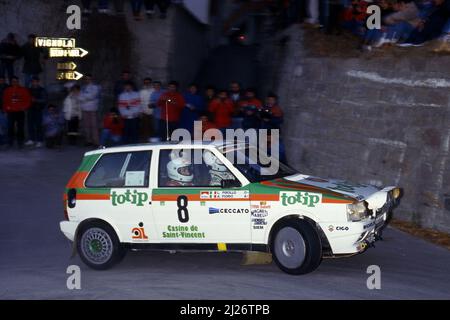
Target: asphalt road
x=34, y=255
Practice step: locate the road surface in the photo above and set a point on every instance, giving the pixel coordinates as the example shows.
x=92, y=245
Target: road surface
x=34, y=255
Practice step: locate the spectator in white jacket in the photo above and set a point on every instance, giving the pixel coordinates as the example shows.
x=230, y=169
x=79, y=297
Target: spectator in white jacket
x=90, y=101
x=147, y=120
x=130, y=109
x=72, y=113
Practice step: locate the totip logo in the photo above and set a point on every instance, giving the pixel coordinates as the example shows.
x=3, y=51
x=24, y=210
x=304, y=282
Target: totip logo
x=213, y=210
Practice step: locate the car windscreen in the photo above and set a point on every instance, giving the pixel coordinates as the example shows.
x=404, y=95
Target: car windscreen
x=255, y=164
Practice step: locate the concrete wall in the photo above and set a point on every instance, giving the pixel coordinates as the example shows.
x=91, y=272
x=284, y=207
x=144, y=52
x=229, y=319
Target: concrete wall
x=44, y=18
x=173, y=48
x=189, y=47
x=383, y=120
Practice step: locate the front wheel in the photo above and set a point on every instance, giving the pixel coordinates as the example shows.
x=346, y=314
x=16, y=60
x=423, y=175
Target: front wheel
x=98, y=246
x=296, y=247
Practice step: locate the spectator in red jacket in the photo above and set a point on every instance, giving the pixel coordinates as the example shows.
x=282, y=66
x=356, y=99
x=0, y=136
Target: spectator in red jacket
x=16, y=100
x=271, y=114
x=171, y=104
x=249, y=107
x=206, y=123
x=221, y=110
x=249, y=100
x=112, y=128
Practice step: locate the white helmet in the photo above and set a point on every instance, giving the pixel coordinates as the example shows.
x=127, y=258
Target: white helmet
x=179, y=169
x=212, y=162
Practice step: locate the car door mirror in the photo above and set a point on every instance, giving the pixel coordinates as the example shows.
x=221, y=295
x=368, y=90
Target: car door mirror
x=230, y=183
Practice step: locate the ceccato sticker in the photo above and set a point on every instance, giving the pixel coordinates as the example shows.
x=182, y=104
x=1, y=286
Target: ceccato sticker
x=228, y=210
x=307, y=199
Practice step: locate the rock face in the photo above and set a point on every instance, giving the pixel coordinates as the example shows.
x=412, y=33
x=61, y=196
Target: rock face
x=384, y=121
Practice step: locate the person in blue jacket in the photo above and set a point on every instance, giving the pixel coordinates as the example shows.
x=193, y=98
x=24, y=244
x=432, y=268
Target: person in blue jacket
x=195, y=105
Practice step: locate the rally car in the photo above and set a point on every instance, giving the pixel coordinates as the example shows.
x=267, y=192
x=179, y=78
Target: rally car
x=217, y=197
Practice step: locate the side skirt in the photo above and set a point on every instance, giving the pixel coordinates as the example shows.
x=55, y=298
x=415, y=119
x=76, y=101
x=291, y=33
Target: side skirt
x=197, y=246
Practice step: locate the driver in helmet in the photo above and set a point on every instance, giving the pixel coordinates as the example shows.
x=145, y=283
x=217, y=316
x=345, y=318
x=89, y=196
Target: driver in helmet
x=218, y=171
x=179, y=172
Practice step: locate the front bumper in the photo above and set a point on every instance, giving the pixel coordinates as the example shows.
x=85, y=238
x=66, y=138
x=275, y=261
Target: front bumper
x=354, y=237
x=69, y=229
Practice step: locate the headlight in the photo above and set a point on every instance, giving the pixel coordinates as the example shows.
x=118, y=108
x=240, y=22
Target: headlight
x=396, y=193
x=357, y=211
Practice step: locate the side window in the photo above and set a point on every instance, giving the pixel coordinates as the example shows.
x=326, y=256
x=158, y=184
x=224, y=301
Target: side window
x=177, y=169
x=217, y=170
x=119, y=170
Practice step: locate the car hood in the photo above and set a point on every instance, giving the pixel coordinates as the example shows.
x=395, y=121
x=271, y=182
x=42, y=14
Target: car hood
x=376, y=197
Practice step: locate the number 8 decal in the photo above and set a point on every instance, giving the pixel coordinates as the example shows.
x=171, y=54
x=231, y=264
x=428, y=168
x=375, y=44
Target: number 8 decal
x=183, y=213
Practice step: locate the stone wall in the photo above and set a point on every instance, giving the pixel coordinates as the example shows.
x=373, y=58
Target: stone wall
x=382, y=120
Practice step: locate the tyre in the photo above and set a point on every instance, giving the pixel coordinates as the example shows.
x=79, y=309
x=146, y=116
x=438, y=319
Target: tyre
x=296, y=247
x=98, y=246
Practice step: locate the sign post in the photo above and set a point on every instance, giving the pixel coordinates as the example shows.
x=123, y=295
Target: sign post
x=63, y=48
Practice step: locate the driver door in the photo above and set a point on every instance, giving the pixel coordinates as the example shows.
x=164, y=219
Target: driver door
x=199, y=212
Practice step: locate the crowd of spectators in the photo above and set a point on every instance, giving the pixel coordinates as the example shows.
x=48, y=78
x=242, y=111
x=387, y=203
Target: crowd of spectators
x=143, y=113
x=403, y=22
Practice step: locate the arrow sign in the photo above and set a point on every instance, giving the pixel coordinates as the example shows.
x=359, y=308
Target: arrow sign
x=68, y=75
x=43, y=42
x=71, y=66
x=67, y=53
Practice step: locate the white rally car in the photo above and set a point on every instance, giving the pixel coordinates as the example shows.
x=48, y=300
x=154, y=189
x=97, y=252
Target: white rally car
x=196, y=197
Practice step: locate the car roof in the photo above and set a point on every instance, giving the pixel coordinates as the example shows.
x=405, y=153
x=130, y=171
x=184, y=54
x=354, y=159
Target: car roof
x=165, y=144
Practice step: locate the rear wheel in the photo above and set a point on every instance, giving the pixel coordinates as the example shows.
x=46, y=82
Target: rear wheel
x=296, y=247
x=98, y=246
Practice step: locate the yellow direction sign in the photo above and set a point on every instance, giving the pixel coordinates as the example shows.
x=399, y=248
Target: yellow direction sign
x=68, y=75
x=43, y=42
x=67, y=53
x=66, y=66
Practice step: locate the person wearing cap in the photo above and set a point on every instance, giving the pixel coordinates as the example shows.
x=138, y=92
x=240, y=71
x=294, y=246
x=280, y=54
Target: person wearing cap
x=39, y=100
